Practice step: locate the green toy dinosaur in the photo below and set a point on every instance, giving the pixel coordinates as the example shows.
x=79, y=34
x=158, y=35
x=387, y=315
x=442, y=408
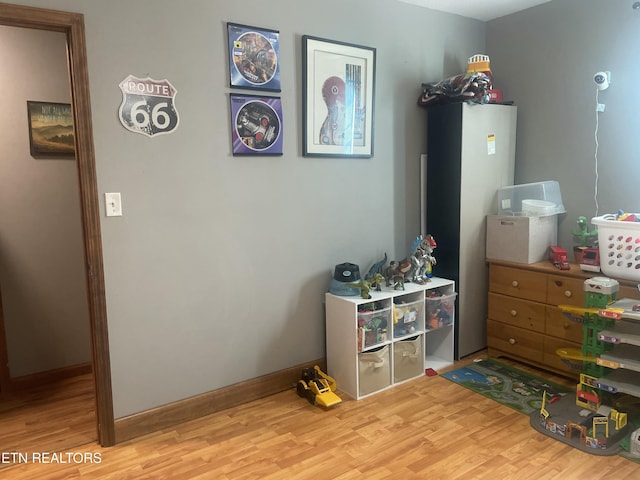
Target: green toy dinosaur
x=365, y=286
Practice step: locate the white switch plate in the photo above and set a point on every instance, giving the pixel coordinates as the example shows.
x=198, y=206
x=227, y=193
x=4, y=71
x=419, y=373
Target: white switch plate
x=113, y=204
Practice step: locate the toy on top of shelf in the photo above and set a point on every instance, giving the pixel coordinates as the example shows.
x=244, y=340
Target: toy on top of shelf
x=365, y=286
x=558, y=257
x=582, y=233
x=376, y=268
x=426, y=260
x=345, y=274
x=590, y=261
x=392, y=277
x=418, y=266
x=584, y=238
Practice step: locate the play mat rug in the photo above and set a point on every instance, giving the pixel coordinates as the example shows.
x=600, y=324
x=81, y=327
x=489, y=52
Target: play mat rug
x=507, y=385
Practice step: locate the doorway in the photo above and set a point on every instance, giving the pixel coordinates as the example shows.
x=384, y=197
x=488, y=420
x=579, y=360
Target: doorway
x=72, y=25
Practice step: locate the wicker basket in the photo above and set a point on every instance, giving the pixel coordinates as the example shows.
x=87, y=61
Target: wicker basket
x=619, y=245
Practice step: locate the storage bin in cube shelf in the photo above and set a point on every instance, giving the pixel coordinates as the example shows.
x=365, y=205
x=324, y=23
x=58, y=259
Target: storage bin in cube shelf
x=440, y=309
x=408, y=359
x=374, y=370
x=408, y=318
x=619, y=246
x=372, y=326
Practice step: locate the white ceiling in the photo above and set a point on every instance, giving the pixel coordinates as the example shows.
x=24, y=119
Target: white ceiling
x=484, y=10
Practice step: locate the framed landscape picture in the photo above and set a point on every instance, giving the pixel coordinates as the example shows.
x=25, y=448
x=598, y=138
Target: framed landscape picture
x=50, y=129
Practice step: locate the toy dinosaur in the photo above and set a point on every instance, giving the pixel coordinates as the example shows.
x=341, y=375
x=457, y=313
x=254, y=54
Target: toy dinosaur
x=364, y=286
x=376, y=268
x=583, y=232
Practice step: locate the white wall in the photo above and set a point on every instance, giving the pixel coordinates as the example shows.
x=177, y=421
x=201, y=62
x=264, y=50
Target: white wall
x=42, y=276
x=544, y=59
x=217, y=270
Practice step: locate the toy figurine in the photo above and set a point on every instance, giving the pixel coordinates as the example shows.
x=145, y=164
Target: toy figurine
x=417, y=267
x=376, y=268
x=583, y=233
x=426, y=259
x=365, y=286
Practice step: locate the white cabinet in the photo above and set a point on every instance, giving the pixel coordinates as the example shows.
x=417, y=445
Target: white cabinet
x=390, y=338
x=470, y=155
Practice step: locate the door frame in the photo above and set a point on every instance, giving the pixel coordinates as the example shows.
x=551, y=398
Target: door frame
x=72, y=24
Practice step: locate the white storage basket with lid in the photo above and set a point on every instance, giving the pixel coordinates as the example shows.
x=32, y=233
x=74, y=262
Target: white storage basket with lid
x=619, y=245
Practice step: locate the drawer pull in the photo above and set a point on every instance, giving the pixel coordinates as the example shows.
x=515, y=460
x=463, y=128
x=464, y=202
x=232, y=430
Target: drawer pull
x=514, y=284
x=512, y=341
x=514, y=313
x=567, y=293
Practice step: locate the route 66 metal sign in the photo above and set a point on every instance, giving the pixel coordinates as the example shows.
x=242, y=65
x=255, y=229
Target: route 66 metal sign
x=148, y=106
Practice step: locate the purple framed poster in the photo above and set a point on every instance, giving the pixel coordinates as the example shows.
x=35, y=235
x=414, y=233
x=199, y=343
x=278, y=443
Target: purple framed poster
x=256, y=125
x=254, y=57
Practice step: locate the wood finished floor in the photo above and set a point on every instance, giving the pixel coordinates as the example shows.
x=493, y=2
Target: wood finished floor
x=429, y=428
x=53, y=417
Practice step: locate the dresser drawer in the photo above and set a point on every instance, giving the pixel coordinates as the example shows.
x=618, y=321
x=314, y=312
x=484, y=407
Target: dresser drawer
x=565, y=291
x=552, y=359
x=558, y=325
x=518, y=283
x=519, y=313
x=628, y=292
x=515, y=341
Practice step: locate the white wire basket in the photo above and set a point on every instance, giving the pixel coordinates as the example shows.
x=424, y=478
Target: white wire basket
x=619, y=245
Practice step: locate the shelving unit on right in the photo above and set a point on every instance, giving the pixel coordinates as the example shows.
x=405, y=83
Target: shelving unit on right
x=600, y=418
x=623, y=358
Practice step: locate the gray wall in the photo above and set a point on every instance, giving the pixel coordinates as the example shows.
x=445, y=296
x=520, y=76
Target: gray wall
x=217, y=270
x=545, y=58
x=42, y=275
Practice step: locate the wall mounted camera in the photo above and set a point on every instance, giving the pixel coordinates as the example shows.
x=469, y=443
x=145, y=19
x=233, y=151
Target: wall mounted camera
x=602, y=80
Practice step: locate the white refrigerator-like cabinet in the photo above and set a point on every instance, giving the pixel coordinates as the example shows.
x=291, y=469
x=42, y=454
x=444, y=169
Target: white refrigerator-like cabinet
x=470, y=155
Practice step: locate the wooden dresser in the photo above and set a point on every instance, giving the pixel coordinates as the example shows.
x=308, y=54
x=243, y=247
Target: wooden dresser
x=524, y=322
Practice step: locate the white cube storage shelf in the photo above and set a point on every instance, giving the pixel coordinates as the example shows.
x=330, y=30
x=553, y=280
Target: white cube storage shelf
x=373, y=344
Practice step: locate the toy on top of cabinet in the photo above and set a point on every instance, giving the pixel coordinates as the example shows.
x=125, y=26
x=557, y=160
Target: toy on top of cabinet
x=418, y=266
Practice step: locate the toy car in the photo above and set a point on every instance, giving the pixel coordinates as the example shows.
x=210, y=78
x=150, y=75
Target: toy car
x=317, y=387
x=558, y=257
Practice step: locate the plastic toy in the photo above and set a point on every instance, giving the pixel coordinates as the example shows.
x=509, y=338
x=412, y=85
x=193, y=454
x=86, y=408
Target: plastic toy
x=392, y=277
x=418, y=266
x=589, y=421
x=590, y=261
x=558, y=257
x=345, y=275
x=365, y=285
x=376, y=268
x=317, y=387
x=627, y=217
x=583, y=233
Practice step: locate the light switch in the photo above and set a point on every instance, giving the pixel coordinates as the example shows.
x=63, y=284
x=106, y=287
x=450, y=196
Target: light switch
x=113, y=204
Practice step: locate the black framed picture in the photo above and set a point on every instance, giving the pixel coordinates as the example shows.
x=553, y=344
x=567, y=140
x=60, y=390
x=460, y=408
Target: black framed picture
x=338, y=83
x=254, y=57
x=256, y=125
x=51, y=129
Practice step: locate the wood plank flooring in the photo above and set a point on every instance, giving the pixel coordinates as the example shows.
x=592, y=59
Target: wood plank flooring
x=426, y=428
x=53, y=417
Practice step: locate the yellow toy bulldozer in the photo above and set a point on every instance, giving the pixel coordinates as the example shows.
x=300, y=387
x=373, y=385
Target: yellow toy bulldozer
x=318, y=387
